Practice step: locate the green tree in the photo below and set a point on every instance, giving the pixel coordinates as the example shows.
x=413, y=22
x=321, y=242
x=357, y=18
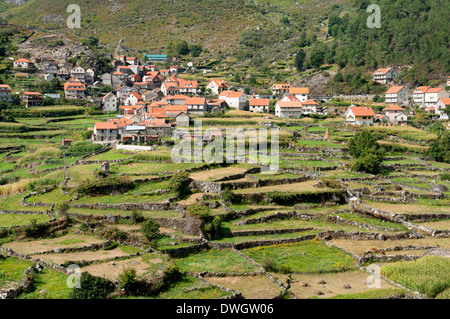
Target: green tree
x=368, y=153
x=317, y=58
x=300, y=60
x=128, y=281
x=440, y=148
x=195, y=50
x=150, y=231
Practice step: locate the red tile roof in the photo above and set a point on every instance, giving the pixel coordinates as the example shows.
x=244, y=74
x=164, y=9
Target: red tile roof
x=290, y=104
x=362, y=111
x=257, y=102
x=298, y=90
x=394, y=89
x=105, y=126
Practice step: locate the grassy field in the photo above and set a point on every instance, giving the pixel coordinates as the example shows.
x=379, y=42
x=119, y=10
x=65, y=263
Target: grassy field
x=223, y=261
x=428, y=275
x=305, y=257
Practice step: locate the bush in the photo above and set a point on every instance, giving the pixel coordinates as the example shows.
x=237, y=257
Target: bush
x=35, y=230
x=269, y=264
x=128, y=282
x=92, y=288
x=136, y=216
x=212, y=225
x=440, y=148
x=179, y=182
x=445, y=177
x=83, y=227
x=114, y=234
x=228, y=196
x=150, y=230
x=112, y=245
x=370, y=163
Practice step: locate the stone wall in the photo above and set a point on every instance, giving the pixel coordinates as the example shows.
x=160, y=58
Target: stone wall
x=185, y=251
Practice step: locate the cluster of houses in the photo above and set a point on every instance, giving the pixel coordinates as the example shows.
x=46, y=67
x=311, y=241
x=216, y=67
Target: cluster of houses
x=432, y=99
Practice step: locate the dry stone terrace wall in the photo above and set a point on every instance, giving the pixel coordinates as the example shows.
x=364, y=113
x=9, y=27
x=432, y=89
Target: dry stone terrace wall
x=275, y=216
x=185, y=251
x=243, y=233
x=130, y=207
x=337, y=219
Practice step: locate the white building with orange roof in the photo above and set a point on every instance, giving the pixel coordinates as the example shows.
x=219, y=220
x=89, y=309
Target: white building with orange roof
x=188, y=87
x=133, y=98
x=419, y=95
x=288, y=109
x=75, y=91
x=105, y=132
x=311, y=107
x=170, y=88
x=235, y=100
x=259, y=105
x=280, y=89
x=395, y=114
x=398, y=95
x=359, y=115
x=442, y=104
x=5, y=93
x=290, y=98
x=301, y=93
x=196, y=105
x=384, y=76
x=433, y=95
x=216, y=86
x=23, y=64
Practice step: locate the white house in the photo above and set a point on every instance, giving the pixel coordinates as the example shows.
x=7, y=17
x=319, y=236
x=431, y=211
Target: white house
x=311, y=107
x=132, y=99
x=287, y=109
x=235, y=100
x=289, y=98
x=433, y=95
x=442, y=104
x=359, y=115
x=110, y=102
x=79, y=73
x=196, y=105
x=170, y=88
x=300, y=93
x=259, y=105
x=122, y=92
x=395, y=114
x=419, y=95
x=5, y=93
x=384, y=76
x=23, y=64
x=216, y=86
x=187, y=86
x=397, y=95
x=280, y=89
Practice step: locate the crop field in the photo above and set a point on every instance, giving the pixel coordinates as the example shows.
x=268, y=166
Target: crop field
x=316, y=218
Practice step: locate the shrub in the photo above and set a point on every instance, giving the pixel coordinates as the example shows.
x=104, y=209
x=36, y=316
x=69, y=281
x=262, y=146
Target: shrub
x=211, y=225
x=35, y=230
x=112, y=245
x=83, y=227
x=136, y=216
x=228, y=196
x=128, y=282
x=114, y=234
x=440, y=148
x=331, y=182
x=179, y=182
x=150, y=230
x=269, y=264
x=92, y=288
x=445, y=177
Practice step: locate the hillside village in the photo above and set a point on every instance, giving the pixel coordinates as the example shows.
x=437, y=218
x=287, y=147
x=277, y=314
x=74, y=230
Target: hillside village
x=150, y=101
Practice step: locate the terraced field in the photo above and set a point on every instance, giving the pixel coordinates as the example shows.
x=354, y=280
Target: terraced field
x=227, y=230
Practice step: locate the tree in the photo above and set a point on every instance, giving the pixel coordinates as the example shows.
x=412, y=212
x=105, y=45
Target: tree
x=316, y=58
x=300, y=59
x=368, y=153
x=195, y=50
x=440, y=148
x=150, y=230
x=177, y=48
